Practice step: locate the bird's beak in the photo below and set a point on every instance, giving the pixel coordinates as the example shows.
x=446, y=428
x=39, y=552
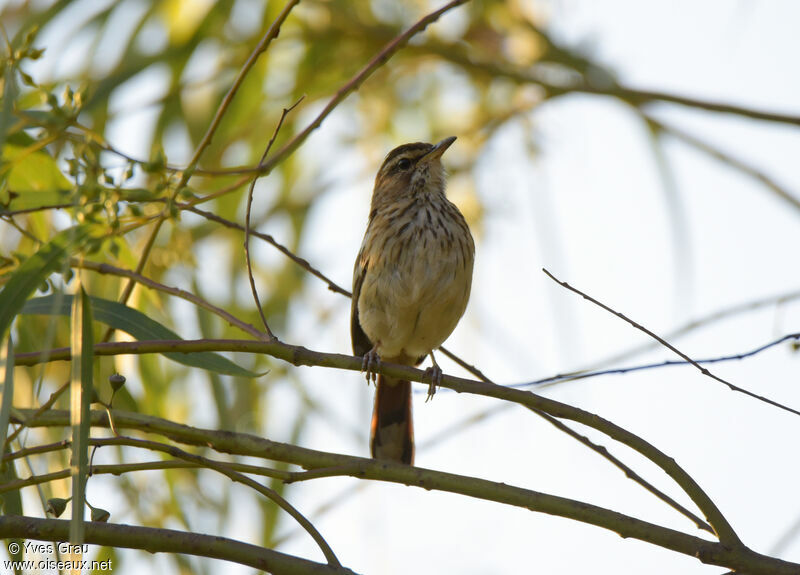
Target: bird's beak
x=438, y=149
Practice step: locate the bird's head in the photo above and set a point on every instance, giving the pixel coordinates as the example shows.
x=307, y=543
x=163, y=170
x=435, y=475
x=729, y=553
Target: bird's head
x=412, y=169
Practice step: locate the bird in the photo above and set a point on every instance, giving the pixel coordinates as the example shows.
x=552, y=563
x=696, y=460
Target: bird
x=411, y=284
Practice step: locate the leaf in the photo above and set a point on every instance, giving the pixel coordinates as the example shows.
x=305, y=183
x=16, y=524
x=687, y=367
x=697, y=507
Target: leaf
x=11, y=500
x=12, y=505
x=8, y=393
x=35, y=270
x=32, y=179
x=7, y=106
x=80, y=390
x=138, y=325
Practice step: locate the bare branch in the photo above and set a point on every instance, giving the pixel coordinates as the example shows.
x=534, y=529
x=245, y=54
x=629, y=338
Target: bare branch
x=672, y=348
x=177, y=292
x=253, y=288
x=234, y=476
x=731, y=553
x=637, y=98
x=725, y=158
x=303, y=263
x=266, y=40
x=297, y=355
x=574, y=376
x=155, y=540
x=376, y=62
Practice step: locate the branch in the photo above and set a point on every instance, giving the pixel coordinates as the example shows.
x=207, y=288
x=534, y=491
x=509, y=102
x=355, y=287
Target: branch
x=155, y=540
x=120, y=468
x=376, y=62
x=605, y=453
x=632, y=96
x=732, y=555
x=266, y=40
x=177, y=292
x=717, y=154
x=303, y=263
x=302, y=356
x=250, y=277
x=720, y=314
x=262, y=46
x=649, y=96
x=629, y=473
x=672, y=348
x=574, y=376
x=233, y=476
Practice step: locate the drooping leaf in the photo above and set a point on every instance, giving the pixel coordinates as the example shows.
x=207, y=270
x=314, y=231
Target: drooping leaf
x=35, y=270
x=11, y=501
x=138, y=325
x=8, y=392
x=31, y=179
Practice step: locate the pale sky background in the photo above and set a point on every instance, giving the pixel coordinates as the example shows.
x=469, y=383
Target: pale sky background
x=592, y=207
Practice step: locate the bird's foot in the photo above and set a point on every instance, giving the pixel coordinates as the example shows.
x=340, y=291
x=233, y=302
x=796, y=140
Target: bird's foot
x=370, y=365
x=435, y=373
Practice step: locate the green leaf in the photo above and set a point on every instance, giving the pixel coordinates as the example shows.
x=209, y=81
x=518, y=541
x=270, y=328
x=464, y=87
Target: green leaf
x=35, y=270
x=12, y=505
x=11, y=500
x=10, y=92
x=8, y=393
x=80, y=390
x=32, y=179
x=138, y=325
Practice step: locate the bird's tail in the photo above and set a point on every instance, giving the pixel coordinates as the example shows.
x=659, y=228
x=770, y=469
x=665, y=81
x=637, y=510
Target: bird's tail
x=392, y=430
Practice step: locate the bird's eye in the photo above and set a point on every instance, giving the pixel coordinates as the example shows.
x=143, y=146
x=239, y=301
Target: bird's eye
x=404, y=164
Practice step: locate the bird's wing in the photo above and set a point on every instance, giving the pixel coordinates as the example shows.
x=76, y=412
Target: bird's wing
x=361, y=343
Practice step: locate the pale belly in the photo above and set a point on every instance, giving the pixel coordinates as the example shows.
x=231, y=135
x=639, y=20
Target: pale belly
x=412, y=297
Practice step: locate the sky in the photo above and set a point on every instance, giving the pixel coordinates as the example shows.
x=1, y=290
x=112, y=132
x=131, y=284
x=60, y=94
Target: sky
x=663, y=234
x=593, y=208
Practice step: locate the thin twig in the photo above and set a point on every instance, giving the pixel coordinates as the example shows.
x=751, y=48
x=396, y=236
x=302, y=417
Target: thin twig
x=44, y=407
x=39, y=449
x=250, y=277
x=219, y=193
x=669, y=363
x=262, y=46
x=729, y=551
x=720, y=314
x=538, y=76
x=629, y=473
x=156, y=540
x=603, y=451
x=303, y=263
x=297, y=355
x=376, y=62
x=322, y=509
x=672, y=348
x=234, y=476
x=470, y=368
x=726, y=158
x=4, y=213
x=121, y=468
x=177, y=292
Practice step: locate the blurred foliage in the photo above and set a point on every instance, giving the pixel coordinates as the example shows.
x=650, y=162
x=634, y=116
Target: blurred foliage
x=72, y=71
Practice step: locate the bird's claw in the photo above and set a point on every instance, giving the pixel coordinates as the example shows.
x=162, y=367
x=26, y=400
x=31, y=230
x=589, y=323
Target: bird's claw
x=435, y=373
x=370, y=365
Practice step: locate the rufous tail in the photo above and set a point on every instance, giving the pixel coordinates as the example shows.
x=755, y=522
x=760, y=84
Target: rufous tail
x=392, y=430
